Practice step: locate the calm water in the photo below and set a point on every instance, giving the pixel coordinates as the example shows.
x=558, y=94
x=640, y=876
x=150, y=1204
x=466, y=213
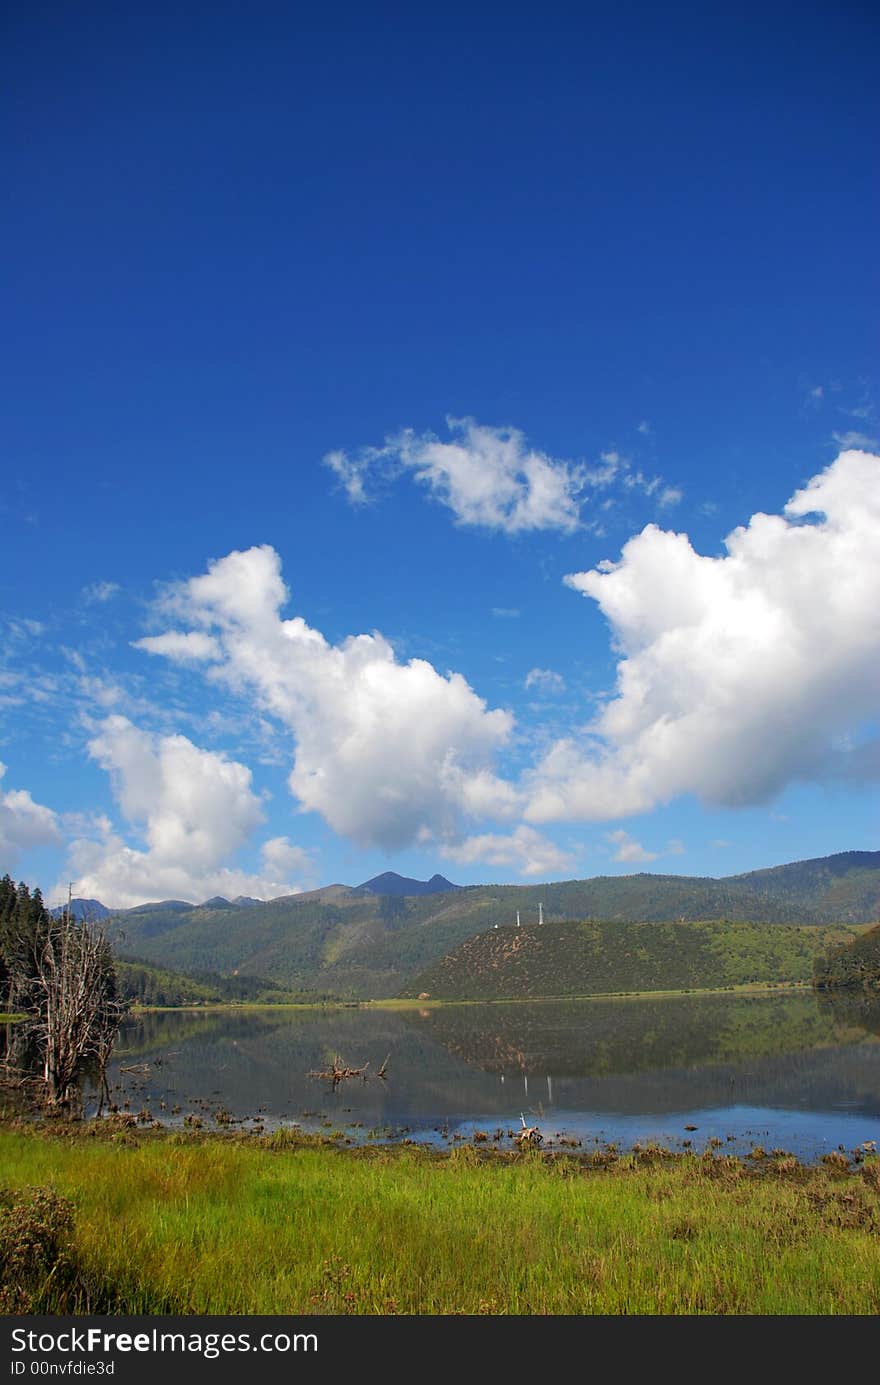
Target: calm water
x=796, y=1072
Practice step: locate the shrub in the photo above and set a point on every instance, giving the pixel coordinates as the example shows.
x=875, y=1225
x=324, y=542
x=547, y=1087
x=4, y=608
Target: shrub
x=36, y=1227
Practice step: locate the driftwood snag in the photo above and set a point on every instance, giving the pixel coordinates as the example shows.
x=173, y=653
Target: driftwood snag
x=339, y=1072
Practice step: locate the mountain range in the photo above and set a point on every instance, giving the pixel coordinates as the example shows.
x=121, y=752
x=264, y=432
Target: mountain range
x=389, y=883
x=372, y=940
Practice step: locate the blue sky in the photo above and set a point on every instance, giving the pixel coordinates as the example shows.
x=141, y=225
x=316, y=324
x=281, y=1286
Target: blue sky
x=342, y=349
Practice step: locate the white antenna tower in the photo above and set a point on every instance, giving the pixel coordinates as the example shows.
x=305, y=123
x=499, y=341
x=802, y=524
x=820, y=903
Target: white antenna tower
x=517, y=919
x=540, y=913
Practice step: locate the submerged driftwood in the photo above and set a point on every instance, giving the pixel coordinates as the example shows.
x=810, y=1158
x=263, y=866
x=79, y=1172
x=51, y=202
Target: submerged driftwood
x=340, y=1072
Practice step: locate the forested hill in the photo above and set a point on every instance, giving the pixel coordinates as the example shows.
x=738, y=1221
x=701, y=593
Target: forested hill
x=854, y=965
x=342, y=940
x=846, y=887
x=567, y=959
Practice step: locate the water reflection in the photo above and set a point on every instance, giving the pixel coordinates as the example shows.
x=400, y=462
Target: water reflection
x=800, y=1072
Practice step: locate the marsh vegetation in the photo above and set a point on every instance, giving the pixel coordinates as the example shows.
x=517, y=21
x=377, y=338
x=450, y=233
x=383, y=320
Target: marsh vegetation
x=147, y=1222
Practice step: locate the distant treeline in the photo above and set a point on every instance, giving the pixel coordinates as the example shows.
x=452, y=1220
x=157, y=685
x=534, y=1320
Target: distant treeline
x=854, y=965
x=146, y=984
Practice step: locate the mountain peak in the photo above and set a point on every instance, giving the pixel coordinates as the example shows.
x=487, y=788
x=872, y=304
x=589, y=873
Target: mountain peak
x=390, y=883
x=89, y=909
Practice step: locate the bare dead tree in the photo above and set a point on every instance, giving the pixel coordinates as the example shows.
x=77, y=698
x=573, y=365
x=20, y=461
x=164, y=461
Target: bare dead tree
x=76, y=1010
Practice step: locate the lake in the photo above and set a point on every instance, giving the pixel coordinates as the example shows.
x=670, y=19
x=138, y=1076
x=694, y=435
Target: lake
x=798, y=1072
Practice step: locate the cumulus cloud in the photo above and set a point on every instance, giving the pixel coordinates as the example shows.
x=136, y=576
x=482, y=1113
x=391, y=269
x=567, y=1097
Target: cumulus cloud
x=737, y=674
x=385, y=751
x=526, y=850
x=282, y=858
x=23, y=824
x=194, y=809
x=628, y=849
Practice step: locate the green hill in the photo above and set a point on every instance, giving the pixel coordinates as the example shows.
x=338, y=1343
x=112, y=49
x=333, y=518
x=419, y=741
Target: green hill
x=854, y=964
x=149, y=985
x=845, y=887
x=562, y=959
x=146, y=984
x=347, y=942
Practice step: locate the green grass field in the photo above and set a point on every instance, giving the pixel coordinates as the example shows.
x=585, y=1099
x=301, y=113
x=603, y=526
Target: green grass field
x=185, y=1224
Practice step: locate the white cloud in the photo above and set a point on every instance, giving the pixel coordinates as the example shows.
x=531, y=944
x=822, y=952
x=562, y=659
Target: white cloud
x=100, y=592
x=195, y=809
x=351, y=473
x=487, y=476
x=628, y=849
x=611, y=464
x=545, y=680
x=491, y=477
x=853, y=439
x=384, y=750
x=74, y=657
x=638, y=481
x=191, y=646
x=281, y=857
x=670, y=495
x=526, y=850
x=20, y=628
x=23, y=824
x=737, y=674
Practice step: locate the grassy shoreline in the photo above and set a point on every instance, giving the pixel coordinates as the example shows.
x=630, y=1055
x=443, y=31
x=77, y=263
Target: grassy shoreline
x=432, y=1003
x=193, y=1223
